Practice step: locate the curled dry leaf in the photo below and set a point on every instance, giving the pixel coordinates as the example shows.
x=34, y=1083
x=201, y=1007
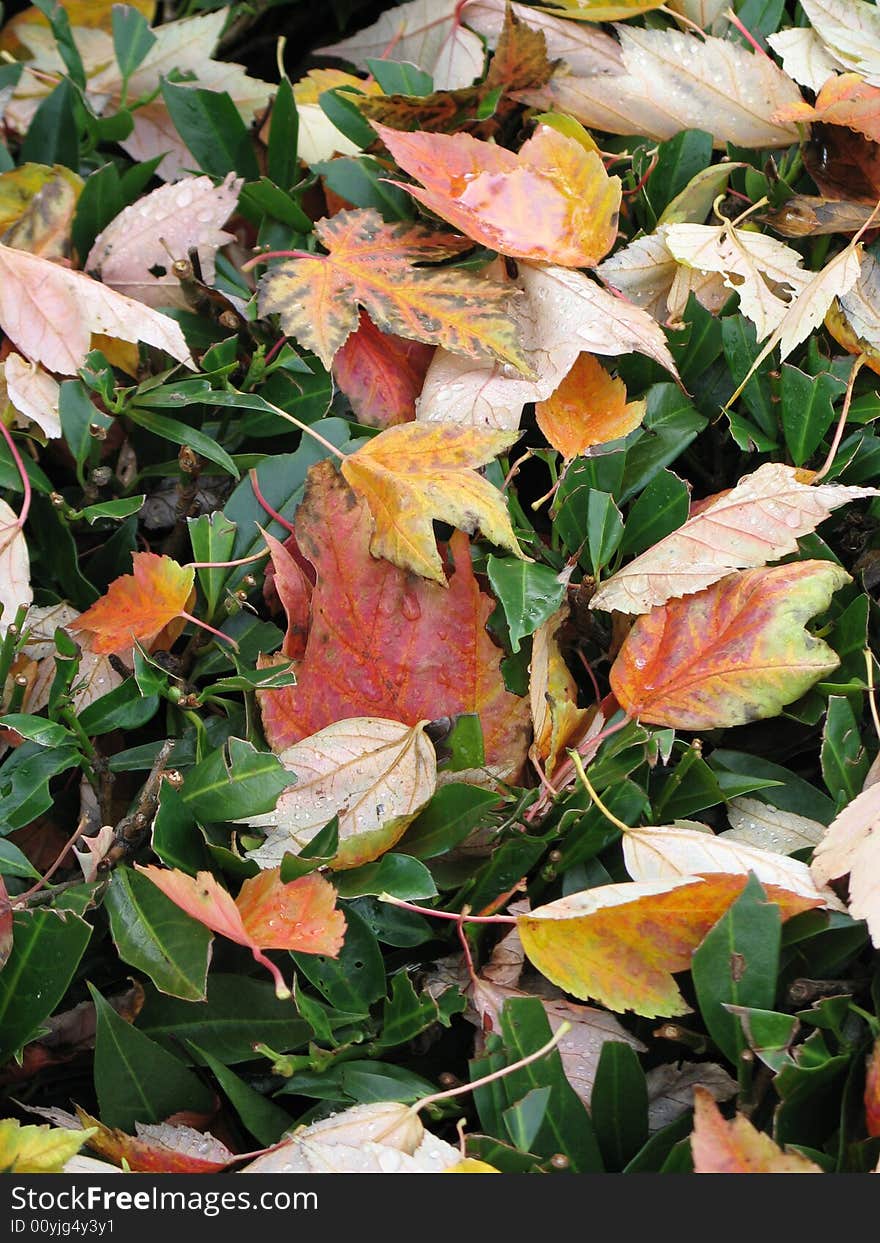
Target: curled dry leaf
x=15, y=566
x=647, y=273
x=759, y=824
x=382, y=642
x=759, y=520
x=34, y=394
x=428, y=33
x=551, y=201
x=558, y=721
x=735, y=652
x=852, y=845
x=671, y=82
x=854, y=320
x=621, y=944
x=37, y=204
x=662, y=853
x=50, y=313
x=267, y=914
x=585, y=49
x=138, y=607
x=671, y=1089
x=375, y=775
x=158, y=228
x=562, y=315
x=384, y=1138
x=371, y=264
x=416, y=473
x=588, y=408
x=737, y=1147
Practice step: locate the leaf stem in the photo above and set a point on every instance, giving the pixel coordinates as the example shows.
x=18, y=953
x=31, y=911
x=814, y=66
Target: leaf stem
x=310, y=431
x=19, y=466
x=841, y=422
x=456, y=918
x=211, y=630
x=585, y=781
x=872, y=698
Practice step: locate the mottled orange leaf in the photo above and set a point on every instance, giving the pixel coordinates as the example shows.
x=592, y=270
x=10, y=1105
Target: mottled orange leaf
x=551, y=201
x=267, y=914
x=418, y=472
x=294, y=591
x=588, y=408
x=386, y=643
x=845, y=99
x=138, y=606
x=872, y=1092
x=737, y=1146
x=163, y=1148
x=381, y=374
x=371, y=264
x=733, y=653
x=621, y=944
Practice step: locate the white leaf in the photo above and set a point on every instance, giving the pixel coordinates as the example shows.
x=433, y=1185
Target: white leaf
x=852, y=845
x=762, y=270
x=375, y=774
x=34, y=393
x=756, y=522
x=563, y=313
x=758, y=824
x=665, y=853
x=428, y=33
x=674, y=81
x=850, y=30
x=162, y=226
x=861, y=305
x=584, y=47
x=804, y=56
x=15, y=568
x=96, y=676
x=50, y=313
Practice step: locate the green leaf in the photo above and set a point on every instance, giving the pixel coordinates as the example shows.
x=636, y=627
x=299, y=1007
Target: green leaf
x=176, y=839
x=792, y=793
x=397, y=77
x=339, y=107
x=407, y=1013
x=807, y=410
x=845, y=761
x=656, y=513
x=78, y=414
x=396, y=874
x=368, y=1082
x=239, y=1013
x=24, y=782
x=181, y=434
x=604, y=529
x=678, y=161
x=116, y=510
x=136, y=1080
x=46, y=950
x=132, y=38
x=619, y=1104
x=529, y=594
x=354, y=980
x=154, y=935
x=454, y=812
x=240, y=781
x=360, y=181
x=14, y=863
x=44, y=733
x=525, y=1118
x=737, y=964
x=53, y=134
x=212, y=537
x=265, y=1120
x=741, y=348
x=122, y=708
x=690, y=787
x=212, y=127
x=281, y=162
x=59, y=23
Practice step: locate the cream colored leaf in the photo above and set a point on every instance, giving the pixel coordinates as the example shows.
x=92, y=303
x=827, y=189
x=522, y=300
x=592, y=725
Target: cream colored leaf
x=15, y=568
x=584, y=47
x=861, y=305
x=374, y=774
x=383, y=1138
x=50, y=313
x=758, y=521
x=759, y=824
x=665, y=853
x=804, y=56
x=850, y=30
x=762, y=270
x=673, y=81
x=852, y=845
x=562, y=314
x=96, y=676
x=34, y=394
x=162, y=226
x=648, y=274
x=428, y=33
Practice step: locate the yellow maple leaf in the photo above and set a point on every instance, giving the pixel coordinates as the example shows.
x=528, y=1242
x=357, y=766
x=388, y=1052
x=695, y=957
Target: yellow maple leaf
x=37, y=1149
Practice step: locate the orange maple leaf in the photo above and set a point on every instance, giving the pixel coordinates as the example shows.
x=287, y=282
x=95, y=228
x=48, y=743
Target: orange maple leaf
x=267, y=914
x=737, y=1147
x=138, y=607
x=588, y=408
x=552, y=201
x=845, y=99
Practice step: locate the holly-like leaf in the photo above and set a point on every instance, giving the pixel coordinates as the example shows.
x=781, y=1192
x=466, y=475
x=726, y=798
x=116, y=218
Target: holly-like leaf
x=852, y=846
x=588, y=408
x=552, y=201
x=371, y=264
x=759, y=520
x=138, y=607
x=733, y=653
x=163, y=226
x=621, y=944
x=375, y=775
x=671, y=82
x=737, y=1146
x=383, y=643
x=413, y=474
x=267, y=914
x=381, y=374
x=37, y=1149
